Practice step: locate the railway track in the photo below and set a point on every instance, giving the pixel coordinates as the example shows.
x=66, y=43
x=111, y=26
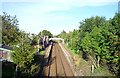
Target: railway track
x=58, y=64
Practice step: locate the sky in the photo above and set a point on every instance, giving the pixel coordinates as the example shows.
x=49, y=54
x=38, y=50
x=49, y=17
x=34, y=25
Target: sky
x=56, y=15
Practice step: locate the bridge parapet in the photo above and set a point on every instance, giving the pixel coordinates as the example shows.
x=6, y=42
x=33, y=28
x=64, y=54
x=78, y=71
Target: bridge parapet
x=57, y=39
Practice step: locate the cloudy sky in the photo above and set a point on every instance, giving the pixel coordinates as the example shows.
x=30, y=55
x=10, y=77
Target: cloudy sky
x=56, y=15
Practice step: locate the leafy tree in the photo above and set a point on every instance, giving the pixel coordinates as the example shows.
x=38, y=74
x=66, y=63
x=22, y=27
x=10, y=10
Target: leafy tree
x=46, y=33
x=24, y=57
x=75, y=39
x=35, y=40
x=10, y=32
x=23, y=53
x=97, y=38
x=63, y=34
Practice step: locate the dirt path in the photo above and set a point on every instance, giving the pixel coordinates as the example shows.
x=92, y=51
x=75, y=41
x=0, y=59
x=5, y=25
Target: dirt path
x=58, y=65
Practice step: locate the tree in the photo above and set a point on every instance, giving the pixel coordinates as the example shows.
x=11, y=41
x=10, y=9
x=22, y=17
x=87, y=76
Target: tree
x=10, y=32
x=23, y=56
x=63, y=34
x=97, y=39
x=46, y=33
x=75, y=40
x=34, y=40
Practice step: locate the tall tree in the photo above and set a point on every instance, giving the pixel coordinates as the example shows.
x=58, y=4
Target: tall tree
x=46, y=33
x=63, y=34
x=97, y=39
x=34, y=40
x=11, y=34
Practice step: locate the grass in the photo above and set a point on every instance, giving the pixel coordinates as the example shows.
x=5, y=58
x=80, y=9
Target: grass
x=41, y=52
x=73, y=51
x=85, y=67
x=60, y=41
x=101, y=71
x=82, y=65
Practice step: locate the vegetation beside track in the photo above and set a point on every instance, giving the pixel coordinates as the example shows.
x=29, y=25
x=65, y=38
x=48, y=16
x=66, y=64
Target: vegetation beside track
x=28, y=62
x=97, y=41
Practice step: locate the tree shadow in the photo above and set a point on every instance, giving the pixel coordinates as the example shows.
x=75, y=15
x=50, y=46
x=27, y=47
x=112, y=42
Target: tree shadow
x=8, y=69
x=85, y=56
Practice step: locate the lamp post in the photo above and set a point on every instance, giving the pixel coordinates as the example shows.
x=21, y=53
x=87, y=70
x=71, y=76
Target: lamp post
x=71, y=44
x=44, y=42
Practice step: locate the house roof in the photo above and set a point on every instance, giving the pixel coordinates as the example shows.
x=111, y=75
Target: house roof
x=7, y=47
x=6, y=50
